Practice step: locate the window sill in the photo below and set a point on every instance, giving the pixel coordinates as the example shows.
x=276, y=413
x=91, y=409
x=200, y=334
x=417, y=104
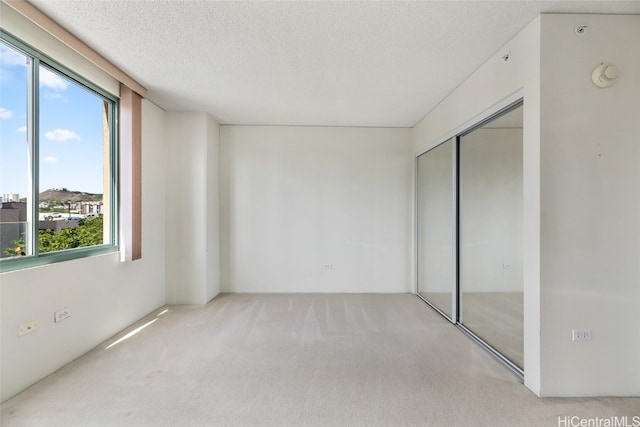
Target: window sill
x=20, y=263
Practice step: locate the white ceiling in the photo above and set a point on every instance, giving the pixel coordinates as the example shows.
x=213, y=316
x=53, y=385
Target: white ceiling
x=303, y=63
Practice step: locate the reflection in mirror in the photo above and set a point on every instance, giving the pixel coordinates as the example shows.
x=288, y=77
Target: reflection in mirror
x=436, y=227
x=490, y=230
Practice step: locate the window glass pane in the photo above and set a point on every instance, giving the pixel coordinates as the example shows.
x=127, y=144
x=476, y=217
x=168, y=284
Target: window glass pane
x=15, y=168
x=74, y=164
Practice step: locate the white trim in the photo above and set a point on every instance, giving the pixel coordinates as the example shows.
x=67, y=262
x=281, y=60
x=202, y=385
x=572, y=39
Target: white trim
x=505, y=102
x=26, y=22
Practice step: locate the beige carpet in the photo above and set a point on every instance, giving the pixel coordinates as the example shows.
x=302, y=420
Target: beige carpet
x=294, y=360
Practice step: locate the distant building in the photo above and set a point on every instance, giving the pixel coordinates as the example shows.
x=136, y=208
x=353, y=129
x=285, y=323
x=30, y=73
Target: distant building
x=13, y=220
x=59, y=224
x=90, y=208
x=9, y=197
x=13, y=212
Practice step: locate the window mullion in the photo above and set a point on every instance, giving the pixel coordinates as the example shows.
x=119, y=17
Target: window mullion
x=33, y=137
x=115, y=173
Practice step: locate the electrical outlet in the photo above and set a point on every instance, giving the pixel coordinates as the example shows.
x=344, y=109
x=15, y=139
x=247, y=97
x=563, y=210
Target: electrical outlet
x=581, y=335
x=59, y=316
x=27, y=328
x=327, y=266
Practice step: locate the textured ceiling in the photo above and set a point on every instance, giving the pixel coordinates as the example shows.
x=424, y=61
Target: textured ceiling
x=303, y=63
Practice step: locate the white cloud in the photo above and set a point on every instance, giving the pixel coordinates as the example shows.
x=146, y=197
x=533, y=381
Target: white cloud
x=54, y=95
x=10, y=56
x=61, y=135
x=21, y=129
x=52, y=80
x=5, y=114
x=50, y=159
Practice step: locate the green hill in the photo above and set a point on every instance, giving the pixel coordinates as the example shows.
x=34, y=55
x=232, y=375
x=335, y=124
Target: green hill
x=64, y=195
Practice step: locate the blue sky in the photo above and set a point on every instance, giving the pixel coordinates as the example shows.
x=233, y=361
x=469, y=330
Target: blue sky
x=70, y=130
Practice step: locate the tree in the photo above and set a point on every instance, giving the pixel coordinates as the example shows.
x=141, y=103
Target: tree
x=18, y=248
x=87, y=233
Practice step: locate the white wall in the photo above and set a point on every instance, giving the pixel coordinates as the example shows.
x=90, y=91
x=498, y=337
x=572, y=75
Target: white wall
x=590, y=199
x=193, y=259
x=212, y=248
x=104, y=295
x=296, y=198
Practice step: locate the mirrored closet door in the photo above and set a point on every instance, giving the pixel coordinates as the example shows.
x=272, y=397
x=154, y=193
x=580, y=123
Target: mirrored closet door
x=436, y=226
x=469, y=232
x=490, y=234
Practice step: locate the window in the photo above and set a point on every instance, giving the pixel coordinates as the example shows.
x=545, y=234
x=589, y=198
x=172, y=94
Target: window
x=57, y=161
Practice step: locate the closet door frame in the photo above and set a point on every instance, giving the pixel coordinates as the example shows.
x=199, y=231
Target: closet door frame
x=512, y=102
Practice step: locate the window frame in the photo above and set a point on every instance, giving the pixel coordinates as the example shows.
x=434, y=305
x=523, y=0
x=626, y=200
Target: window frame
x=35, y=258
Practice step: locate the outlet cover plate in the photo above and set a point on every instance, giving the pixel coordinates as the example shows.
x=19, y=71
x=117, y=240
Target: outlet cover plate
x=581, y=335
x=60, y=315
x=27, y=328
